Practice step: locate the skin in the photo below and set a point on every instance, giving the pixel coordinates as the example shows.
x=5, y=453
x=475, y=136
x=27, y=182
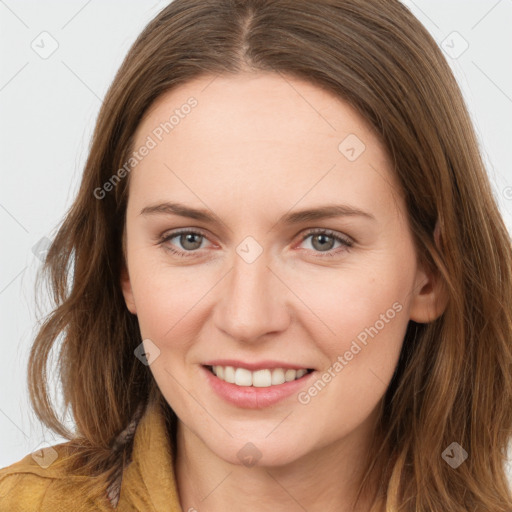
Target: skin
x=258, y=146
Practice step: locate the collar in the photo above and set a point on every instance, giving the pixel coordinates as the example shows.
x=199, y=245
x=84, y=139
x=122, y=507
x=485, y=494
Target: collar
x=148, y=482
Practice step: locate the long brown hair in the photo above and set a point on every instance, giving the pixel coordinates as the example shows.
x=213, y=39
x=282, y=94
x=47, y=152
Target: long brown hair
x=453, y=382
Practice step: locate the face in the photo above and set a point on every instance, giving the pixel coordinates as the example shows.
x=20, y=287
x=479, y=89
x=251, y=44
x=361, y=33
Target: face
x=253, y=285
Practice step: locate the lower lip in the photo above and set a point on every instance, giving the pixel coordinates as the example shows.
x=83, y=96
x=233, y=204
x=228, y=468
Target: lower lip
x=250, y=397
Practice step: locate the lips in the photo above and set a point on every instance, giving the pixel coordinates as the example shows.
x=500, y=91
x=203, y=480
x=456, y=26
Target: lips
x=262, y=387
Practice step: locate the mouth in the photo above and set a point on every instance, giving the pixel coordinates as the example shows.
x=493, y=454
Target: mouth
x=263, y=378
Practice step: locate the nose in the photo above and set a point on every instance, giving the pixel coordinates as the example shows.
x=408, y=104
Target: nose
x=254, y=301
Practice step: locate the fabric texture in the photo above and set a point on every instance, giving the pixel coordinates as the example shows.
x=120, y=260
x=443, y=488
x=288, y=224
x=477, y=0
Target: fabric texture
x=147, y=483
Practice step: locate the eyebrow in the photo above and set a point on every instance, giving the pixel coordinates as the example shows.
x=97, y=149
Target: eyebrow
x=310, y=214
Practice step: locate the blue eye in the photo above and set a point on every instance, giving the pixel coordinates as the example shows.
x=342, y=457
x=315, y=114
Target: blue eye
x=320, y=237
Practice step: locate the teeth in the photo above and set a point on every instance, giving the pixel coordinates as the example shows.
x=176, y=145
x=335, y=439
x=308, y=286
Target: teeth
x=243, y=377
x=229, y=373
x=259, y=378
x=290, y=375
x=278, y=376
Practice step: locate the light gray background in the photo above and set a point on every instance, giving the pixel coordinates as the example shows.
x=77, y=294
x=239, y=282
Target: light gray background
x=49, y=106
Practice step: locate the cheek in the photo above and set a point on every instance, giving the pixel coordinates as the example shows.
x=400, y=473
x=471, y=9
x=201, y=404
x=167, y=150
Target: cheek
x=361, y=354
x=169, y=300
x=363, y=302
x=365, y=347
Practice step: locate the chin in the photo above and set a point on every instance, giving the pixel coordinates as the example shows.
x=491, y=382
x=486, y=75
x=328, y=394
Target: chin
x=257, y=453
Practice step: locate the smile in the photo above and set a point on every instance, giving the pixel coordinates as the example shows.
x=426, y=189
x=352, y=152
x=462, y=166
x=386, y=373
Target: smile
x=263, y=378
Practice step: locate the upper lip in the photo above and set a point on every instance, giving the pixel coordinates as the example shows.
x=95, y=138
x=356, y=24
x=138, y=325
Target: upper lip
x=258, y=365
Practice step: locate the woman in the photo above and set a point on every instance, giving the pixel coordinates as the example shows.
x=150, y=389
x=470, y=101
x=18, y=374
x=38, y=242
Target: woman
x=262, y=369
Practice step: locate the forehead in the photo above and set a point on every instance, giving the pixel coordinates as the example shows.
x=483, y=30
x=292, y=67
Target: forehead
x=266, y=136
x=260, y=105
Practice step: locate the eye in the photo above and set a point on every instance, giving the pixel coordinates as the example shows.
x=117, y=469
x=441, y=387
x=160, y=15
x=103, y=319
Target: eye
x=322, y=241
x=189, y=240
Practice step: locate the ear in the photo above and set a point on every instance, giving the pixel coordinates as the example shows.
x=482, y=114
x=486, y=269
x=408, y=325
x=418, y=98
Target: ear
x=126, y=287
x=430, y=295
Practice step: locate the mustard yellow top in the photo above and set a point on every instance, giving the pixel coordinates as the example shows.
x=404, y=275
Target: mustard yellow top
x=148, y=482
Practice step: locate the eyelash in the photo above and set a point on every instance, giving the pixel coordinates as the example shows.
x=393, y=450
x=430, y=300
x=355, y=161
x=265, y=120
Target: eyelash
x=346, y=242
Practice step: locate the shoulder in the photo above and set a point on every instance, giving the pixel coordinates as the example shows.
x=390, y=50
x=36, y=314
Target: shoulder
x=40, y=482
x=21, y=488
